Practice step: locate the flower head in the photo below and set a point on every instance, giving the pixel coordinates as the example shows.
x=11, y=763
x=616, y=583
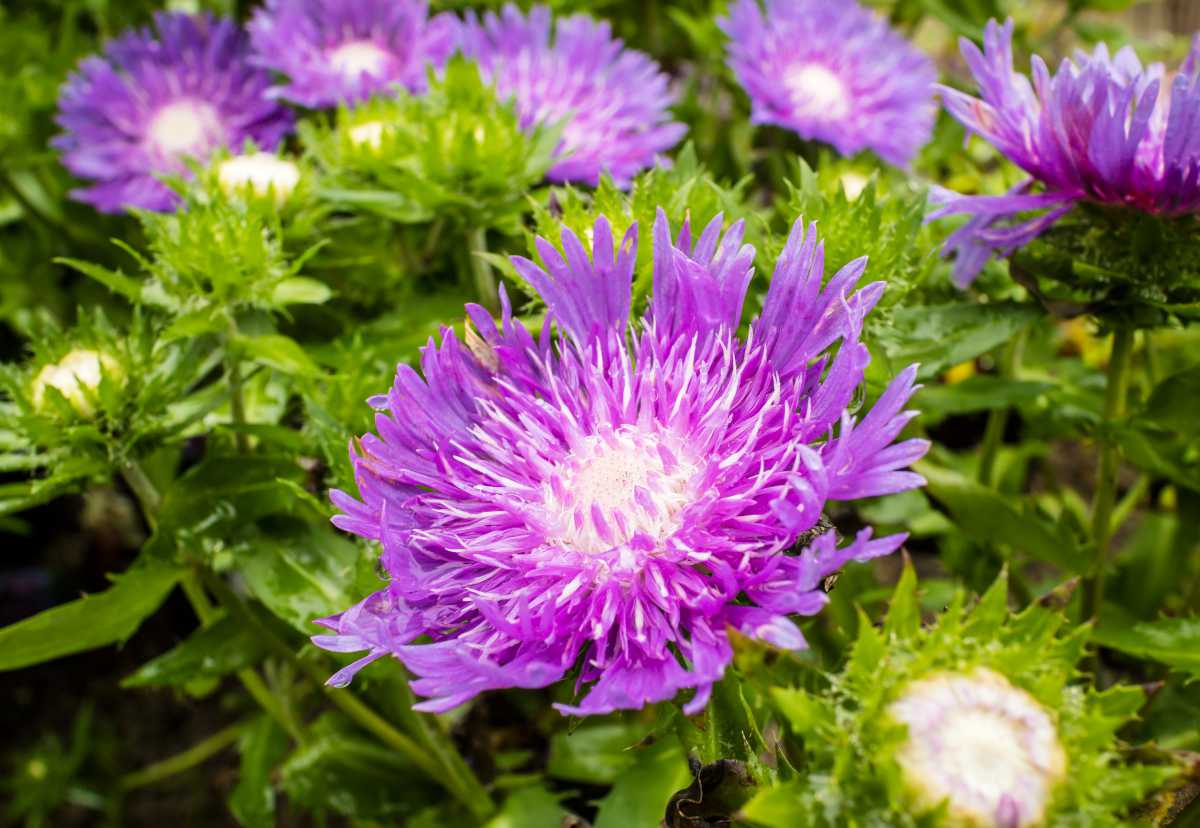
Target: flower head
x=261, y=173
x=612, y=101
x=612, y=498
x=987, y=749
x=77, y=376
x=345, y=51
x=156, y=98
x=1101, y=129
x=832, y=72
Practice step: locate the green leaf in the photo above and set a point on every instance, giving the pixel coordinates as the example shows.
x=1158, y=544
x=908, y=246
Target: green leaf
x=338, y=769
x=904, y=614
x=1172, y=405
x=990, y=517
x=530, y=807
x=980, y=393
x=300, y=290
x=279, y=352
x=939, y=336
x=221, y=648
x=595, y=754
x=114, y=280
x=109, y=617
x=640, y=795
x=804, y=712
x=304, y=575
x=262, y=746
x=1171, y=641
x=777, y=807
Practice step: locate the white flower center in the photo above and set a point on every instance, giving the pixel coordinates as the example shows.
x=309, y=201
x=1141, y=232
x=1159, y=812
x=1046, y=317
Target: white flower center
x=816, y=91
x=359, y=57
x=369, y=134
x=185, y=127
x=74, y=376
x=624, y=487
x=261, y=173
x=987, y=748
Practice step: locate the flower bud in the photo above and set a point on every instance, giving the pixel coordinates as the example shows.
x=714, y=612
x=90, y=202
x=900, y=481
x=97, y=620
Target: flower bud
x=987, y=749
x=369, y=134
x=261, y=173
x=76, y=376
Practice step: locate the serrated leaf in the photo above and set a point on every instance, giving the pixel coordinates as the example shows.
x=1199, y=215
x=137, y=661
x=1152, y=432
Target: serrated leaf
x=1171, y=641
x=938, y=336
x=990, y=517
x=221, y=648
x=109, y=617
x=904, y=613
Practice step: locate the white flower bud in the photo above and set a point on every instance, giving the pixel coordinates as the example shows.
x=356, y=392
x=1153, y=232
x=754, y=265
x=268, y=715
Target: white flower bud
x=369, y=134
x=74, y=376
x=262, y=173
x=987, y=749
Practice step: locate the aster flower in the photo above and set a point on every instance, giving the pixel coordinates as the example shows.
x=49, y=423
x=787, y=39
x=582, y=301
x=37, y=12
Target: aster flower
x=157, y=97
x=610, y=499
x=987, y=749
x=1102, y=129
x=345, y=51
x=832, y=72
x=612, y=101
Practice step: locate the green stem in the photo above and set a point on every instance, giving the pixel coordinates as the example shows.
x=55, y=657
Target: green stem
x=173, y=765
x=237, y=403
x=993, y=434
x=481, y=271
x=1115, y=394
x=144, y=490
x=455, y=777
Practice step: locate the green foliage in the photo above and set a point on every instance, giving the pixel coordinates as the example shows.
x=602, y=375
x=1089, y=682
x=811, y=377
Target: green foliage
x=849, y=740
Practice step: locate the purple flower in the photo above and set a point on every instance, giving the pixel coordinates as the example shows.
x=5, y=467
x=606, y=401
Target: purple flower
x=613, y=101
x=606, y=501
x=832, y=72
x=155, y=98
x=1101, y=129
x=345, y=51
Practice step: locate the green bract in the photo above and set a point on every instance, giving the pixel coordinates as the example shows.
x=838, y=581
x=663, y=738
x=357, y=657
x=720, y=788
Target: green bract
x=852, y=740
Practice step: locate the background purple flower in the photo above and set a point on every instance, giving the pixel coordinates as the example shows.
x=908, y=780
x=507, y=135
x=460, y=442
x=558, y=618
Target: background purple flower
x=1100, y=129
x=608, y=499
x=344, y=51
x=154, y=98
x=832, y=72
x=614, y=100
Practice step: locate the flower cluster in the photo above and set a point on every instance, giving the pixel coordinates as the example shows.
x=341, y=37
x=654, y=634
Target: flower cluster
x=833, y=72
x=605, y=500
x=156, y=98
x=612, y=102
x=345, y=51
x=1102, y=129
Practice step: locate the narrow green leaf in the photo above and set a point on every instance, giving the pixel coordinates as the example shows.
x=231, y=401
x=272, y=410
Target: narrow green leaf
x=300, y=290
x=221, y=648
x=109, y=617
x=279, y=352
x=114, y=280
x=904, y=614
x=262, y=746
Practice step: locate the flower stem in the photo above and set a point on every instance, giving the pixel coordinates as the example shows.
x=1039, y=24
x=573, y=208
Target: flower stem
x=993, y=435
x=481, y=271
x=237, y=404
x=455, y=777
x=1115, y=394
x=173, y=765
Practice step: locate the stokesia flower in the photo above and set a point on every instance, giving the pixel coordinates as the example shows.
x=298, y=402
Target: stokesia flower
x=832, y=72
x=156, y=98
x=606, y=501
x=1101, y=129
x=987, y=749
x=612, y=102
x=345, y=51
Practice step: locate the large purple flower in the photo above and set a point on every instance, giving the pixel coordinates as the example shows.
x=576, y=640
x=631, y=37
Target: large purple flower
x=155, y=98
x=344, y=51
x=607, y=501
x=1101, y=129
x=613, y=101
x=832, y=72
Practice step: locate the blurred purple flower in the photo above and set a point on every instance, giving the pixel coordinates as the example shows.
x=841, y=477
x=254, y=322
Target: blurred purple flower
x=1101, y=129
x=154, y=98
x=614, y=101
x=345, y=51
x=832, y=72
x=607, y=501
